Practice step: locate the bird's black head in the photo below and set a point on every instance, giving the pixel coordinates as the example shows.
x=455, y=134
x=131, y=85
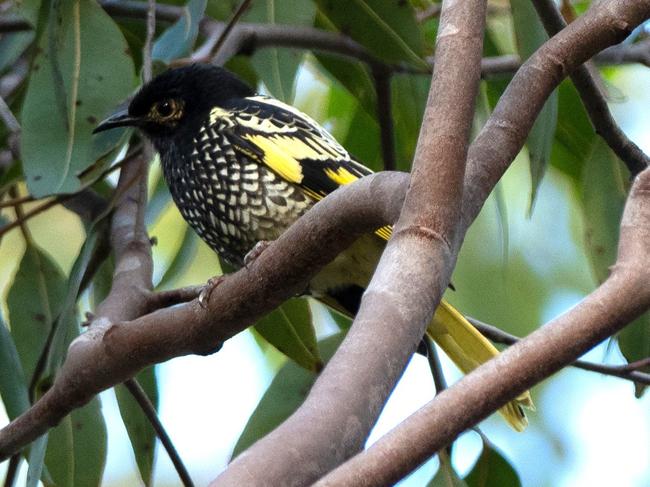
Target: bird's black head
x=178, y=101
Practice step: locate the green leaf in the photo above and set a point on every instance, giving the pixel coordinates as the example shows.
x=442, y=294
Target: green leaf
x=634, y=343
x=492, y=469
x=389, y=30
x=575, y=135
x=352, y=75
x=141, y=433
x=446, y=476
x=36, y=460
x=290, y=329
x=67, y=323
x=603, y=198
x=178, y=40
x=13, y=386
x=59, y=457
x=73, y=85
x=530, y=36
x=90, y=444
x=409, y=100
x=278, y=67
x=286, y=392
x=34, y=301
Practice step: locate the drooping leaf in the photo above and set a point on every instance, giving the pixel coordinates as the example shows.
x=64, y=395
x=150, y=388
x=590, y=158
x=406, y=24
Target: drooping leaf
x=90, y=443
x=36, y=461
x=575, y=135
x=603, y=198
x=34, y=302
x=290, y=329
x=73, y=84
x=178, y=40
x=13, y=384
x=530, y=36
x=59, y=457
x=409, y=101
x=446, y=476
x=278, y=67
x=354, y=76
x=492, y=469
x=286, y=392
x=141, y=433
x=388, y=30
x=634, y=343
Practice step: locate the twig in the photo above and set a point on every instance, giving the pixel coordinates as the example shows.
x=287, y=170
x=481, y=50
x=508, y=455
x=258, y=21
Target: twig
x=435, y=365
x=146, y=48
x=14, y=25
x=150, y=411
x=64, y=197
x=627, y=372
x=8, y=118
x=12, y=470
x=243, y=6
x=601, y=118
x=17, y=201
x=163, y=299
x=382, y=78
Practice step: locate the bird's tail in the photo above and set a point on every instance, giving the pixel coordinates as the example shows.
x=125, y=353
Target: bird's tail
x=468, y=349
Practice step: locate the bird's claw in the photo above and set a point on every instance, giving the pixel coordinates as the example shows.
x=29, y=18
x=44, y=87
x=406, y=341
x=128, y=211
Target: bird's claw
x=255, y=252
x=206, y=292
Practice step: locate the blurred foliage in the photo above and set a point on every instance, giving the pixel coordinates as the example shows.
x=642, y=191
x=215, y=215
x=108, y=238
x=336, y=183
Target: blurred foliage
x=78, y=62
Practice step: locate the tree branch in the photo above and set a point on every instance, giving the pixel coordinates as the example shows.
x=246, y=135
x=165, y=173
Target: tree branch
x=628, y=371
x=335, y=419
x=592, y=98
x=620, y=299
x=115, y=349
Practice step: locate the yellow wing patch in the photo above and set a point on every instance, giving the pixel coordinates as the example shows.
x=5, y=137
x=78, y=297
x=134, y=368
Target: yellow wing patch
x=341, y=176
x=281, y=154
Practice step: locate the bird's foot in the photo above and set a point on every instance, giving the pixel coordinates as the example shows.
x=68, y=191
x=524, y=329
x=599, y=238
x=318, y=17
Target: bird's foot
x=206, y=292
x=255, y=252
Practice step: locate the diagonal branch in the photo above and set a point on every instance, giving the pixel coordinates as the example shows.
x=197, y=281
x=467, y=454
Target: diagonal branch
x=619, y=300
x=114, y=349
x=335, y=419
x=592, y=98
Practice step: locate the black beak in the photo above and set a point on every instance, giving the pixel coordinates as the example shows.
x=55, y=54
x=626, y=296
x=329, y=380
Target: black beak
x=120, y=118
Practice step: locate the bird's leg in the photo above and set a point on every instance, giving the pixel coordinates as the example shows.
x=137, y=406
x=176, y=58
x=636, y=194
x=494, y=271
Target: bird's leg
x=255, y=252
x=210, y=286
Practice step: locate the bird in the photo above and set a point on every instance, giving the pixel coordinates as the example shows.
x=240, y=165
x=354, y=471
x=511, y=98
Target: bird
x=242, y=167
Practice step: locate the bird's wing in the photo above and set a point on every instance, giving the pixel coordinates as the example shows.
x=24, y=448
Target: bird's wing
x=293, y=145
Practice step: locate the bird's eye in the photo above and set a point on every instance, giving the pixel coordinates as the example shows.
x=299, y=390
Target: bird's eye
x=165, y=110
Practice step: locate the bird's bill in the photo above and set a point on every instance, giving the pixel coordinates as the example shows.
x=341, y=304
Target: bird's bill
x=120, y=118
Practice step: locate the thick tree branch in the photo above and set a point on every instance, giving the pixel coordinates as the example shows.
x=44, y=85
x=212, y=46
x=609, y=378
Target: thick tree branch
x=112, y=351
x=619, y=300
x=335, y=419
x=592, y=98
x=628, y=372
x=502, y=137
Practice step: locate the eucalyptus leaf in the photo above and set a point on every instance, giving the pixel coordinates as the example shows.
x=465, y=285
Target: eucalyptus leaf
x=278, y=67
x=286, y=392
x=389, y=30
x=290, y=329
x=34, y=301
x=13, y=386
x=492, y=469
x=530, y=35
x=141, y=433
x=178, y=40
x=73, y=85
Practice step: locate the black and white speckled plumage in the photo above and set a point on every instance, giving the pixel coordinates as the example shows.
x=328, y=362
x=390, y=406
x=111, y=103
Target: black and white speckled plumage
x=230, y=199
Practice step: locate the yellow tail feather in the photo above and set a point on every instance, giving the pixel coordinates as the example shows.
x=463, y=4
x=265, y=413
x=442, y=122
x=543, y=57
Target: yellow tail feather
x=468, y=349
